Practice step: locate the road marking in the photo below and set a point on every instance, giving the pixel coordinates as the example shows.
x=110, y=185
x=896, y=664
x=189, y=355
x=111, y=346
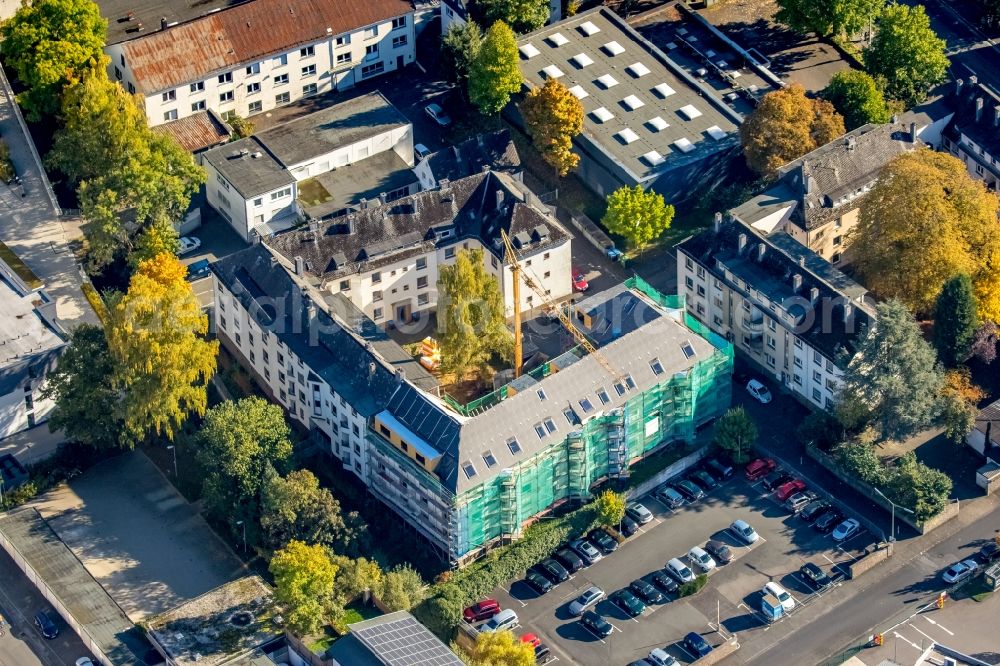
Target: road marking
x=685, y=650
x=923, y=634
x=828, y=559
x=898, y=635
x=938, y=625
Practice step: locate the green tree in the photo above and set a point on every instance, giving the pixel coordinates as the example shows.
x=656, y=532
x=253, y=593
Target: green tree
x=989, y=13
x=159, y=237
x=87, y=407
x=896, y=374
x=355, y=578
x=925, y=221
x=862, y=461
x=304, y=579
x=955, y=321
x=239, y=442
x=521, y=15
x=296, y=507
x=785, y=126
x=242, y=127
x=500, y=648
x=610, y=507
x=458, y=50
x=640, y=216
x=736, y=432
x=401, y=588
x=495, y=73
x=906, y=53
x=921, y=488
x=162, y=360
x=553, y=116
x=443, y=611
x=856, y=96
x=49, y=43
x=843, y=17
x=474, y=320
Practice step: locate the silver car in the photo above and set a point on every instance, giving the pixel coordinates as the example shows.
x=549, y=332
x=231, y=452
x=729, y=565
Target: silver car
x=591, y=597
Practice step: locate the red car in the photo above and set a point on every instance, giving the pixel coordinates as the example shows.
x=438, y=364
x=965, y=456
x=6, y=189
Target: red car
x=786, y=490
x=531, y=638
x=579, y=282
x=481, y=610
x=759, y=468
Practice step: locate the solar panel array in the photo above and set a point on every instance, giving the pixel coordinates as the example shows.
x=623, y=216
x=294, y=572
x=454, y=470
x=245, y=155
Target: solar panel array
x=405, y=642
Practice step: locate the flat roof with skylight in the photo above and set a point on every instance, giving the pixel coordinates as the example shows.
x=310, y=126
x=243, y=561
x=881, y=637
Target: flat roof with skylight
x=640, y=108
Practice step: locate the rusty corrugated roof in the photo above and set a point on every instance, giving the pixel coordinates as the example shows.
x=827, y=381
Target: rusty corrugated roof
x=202, y=130
x=244, y=34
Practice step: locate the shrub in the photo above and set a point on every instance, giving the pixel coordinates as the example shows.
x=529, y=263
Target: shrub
x=819, y=429
x=693, y=587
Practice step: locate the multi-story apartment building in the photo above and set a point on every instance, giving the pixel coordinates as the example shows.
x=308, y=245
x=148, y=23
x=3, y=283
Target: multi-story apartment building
x=315, y=166
x=495, y=150
x=973, y=134
x=782, y=305
x=464, y=478
x=818, y=197
x=255, y=56
x=385, y=257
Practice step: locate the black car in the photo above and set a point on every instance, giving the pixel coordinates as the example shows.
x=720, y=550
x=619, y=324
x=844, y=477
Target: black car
x=814, y=576
x=646, y=591
x=810, y=512
x=704, y=479
x=555, y=572
x=45, y=625
x=697, y=645
x=719, y=468
x=627, y=602
x=829, y=520
x=604, y=541
x=779, y=480
x=689, y=490
x=628, y=526
x=596, y=624
x=198, y=270
x=664, y=581
x=538, y=582
x=719, y=551
x=569, y=559
x=989, y=553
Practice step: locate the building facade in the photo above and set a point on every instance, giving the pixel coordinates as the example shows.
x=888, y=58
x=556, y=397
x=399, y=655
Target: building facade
x=973, y=134
x=256, y=56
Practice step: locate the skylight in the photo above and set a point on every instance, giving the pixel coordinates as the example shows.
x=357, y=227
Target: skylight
x=656, y=366
x=619, y=388
x=637, y=69
x=541, y=394
x=633, y=102
x=469, y=469
x=603, y=395
x=684, y=145
x=571, y=416
x=529, y=51
x=689, y=111
x=540, y=431
x=658, y=123
x=607, y=81
x=602, y=114
x=614, y=48
x=687, y=349
x=581, y=60
x=629, y=382
x=557, y=39
x=663, y=90
x=716, y=132
x=586, y=405
x=579, y=92
x=588, y=28
x=514, y=446
x=552, y=72
x=550, y=425
x=489, y=458
x=627, y=135
x=653, y=158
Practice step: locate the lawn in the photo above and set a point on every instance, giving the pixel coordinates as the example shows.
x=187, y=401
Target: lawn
x=312, y=193
x=650, y=466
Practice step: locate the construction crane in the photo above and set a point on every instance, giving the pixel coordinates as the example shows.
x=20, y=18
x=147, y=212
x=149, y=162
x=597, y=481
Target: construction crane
x=511, y=257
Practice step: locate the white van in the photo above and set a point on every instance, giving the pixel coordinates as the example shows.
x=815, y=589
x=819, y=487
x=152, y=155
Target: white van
x=505, y=619
x=781, y=594
x=680, y=571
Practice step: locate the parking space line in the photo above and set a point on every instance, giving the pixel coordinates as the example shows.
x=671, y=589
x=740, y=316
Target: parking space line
x=828, y=559
x=923, y=634
x=938, y=625
x=899, y=635
x=685, y=651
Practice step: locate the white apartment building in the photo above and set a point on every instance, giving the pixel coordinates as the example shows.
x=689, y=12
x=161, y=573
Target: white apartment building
x=785, y=308
x=973, y=134
x=255, y=56
x=346, y=152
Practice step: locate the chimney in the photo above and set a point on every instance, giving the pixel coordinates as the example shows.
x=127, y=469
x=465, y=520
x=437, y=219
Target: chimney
x=761, y=248
x=979, y=109
x=163, y=23
x=958, y=87
x=313, y=226
x=996, y=116
x=486, y=168
x=847, y=312
x=400, y=375
x=813, y=295
x=743, y=242
x=718, y=222
x=500, y=194
x=913, y=132
x=364, y=203
x=809, y=182
x=310, y=309
x=383, y=198
x=802, y=262
x=852, y=142
x=444, y=184
x=300, y=266
x=796, y=282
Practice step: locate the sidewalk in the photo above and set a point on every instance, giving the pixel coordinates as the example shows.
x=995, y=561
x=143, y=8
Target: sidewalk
x=32, y=446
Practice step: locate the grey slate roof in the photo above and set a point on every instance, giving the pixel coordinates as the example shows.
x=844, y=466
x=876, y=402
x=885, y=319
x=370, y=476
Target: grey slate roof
x=495, y=150
x=249, y=166
x=985, y=131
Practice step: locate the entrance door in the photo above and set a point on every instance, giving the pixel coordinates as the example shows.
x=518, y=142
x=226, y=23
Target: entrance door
x=403, y=312
x=399, y=62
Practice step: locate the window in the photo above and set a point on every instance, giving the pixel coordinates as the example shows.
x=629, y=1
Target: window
x=282, y=98
x=258, y=202
x=376, y=296
x=571, y=416
x=345, y=285
x=797, y=379
x=837, y=240
x=688, y=282
x=469, y=470
x=798, y=362
x=281, y=79
x=449, y=253
x=372, y=70
x=170, y=115
x=514, y=446
x=770, y=360
x=816, y=395
x=123, y=59
x=550, y=425
x=307, y=52
x=817, y=377
x=376, y=277
x=398, y=22
x=280, y=61
x=343, y=58
x=377, y=314
x=169, y=96
x=619, y=388
x=226, y=78
x=423, y=299
x=540, y=431
x=281, y=194
x=253, y=88
x=656, y=366
x=198, y=106
x=226, y=96
x=717, y=320
x=253, y=69
x=798, y=343
x=399, y=42
x=420, y=459
x=629, y=382
x=604, y=397
x=343, y=40
x=771, y=341
x=421, y=282
x=131, y=89
x=371, y=51
x=118, y=73
x=548, y=274
x=309, y=70
x=371, y=32
x=309, y=89
x=541, y=394
x=222, y=181
x=770, y=324
x=197, y=87
x=421, y=263
x=687, y=349
x=586, y=405
x=489, y=458
x=255, y=107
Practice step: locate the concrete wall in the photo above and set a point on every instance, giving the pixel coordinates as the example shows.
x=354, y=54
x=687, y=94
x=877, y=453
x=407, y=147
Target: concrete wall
x=719, y=653
x=676, y=469
x=870, y=561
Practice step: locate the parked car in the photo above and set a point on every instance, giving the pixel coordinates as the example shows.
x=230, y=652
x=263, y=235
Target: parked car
x=604, y=541
x=810, y=512
x=778, y=480
x=759, y=468
x=505, y=619
x=420, y=151
x=590, y=597
x=704, y=479
x=786, y=490
x=680, y=571
x=669, y=496
x=198, y=270
x=719, y=551
x=689, y=490
x=741, y=530
x=719, y=468
x=628, y=526
x=758, y=391
x=579, y=282
x=846, y=530
x=638, y=513
x=45, y=625
x=537, y=582
x=989, y=553
x=541, y=650
x=825, y=523
x=552, y=570
x=659, y=657
x=481, y=610
x=814, y=576
x=647, y=592
x=798, y=501
x=960, y=571
x=779, y=593
x=640, y=662
x=596, y=624
x=663, y=581
x=702, y=559
x=627, y=602
x=586, y=550
x=613, y=253
x=697, y=645
x=569, y=559
x=188, y=244
x=84, y=661
x=437, y=114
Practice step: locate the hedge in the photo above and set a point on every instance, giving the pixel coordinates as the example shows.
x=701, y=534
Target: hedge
x=693, y=587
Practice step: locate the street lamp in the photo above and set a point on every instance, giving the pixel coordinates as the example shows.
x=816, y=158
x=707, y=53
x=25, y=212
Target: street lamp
x=173, y=449
x=892, y=527
x=241, y=523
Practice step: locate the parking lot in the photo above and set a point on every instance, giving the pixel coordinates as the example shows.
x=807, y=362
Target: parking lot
x=733, y=592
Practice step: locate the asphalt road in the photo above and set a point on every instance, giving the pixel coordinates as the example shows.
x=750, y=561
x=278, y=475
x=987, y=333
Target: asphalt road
x=967, y=45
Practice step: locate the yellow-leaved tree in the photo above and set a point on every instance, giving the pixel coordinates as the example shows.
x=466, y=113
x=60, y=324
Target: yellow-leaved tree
x=500, y=648
x=925, y=221
x=553, y=116
x=162, y=361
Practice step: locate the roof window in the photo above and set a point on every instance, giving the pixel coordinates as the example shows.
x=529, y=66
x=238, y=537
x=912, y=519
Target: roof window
x=663, y=90
x=552, y=72
x=653, y=158
x=489, y=458
x=581, y=60
x=529, y=51
x=607, y=81
x=557, y=39
x=588, y=28
x=633, y=102
x=540, y=431
x=541, y=394
x=514, y=446
x=604, y=397
x=629, y=382
x=627, y=135
x=586, y=405
x=689, y=111
x=716, y=132
x=550, y=425
x=469, y=469
x=572, y=417
x=579, y=92
x=637, y=69
x=619, y=388
x=687, y=349
x=658, y=123
x=614, y=48
x=684, y=145
x=602, y=114
x=656, y=366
